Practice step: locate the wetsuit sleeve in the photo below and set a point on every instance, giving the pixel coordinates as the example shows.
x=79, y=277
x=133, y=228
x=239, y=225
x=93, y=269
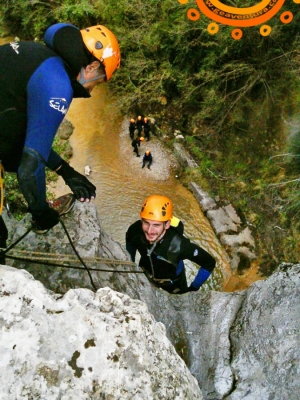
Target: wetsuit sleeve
x=54, y=160
x=130, y=247
x=131, y=250
x=196, y=254
x=49, y=94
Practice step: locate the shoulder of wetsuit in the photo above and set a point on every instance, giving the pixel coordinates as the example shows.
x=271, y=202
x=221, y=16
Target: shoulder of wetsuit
x=134, y=230
x=177, y=224
x=59, y=36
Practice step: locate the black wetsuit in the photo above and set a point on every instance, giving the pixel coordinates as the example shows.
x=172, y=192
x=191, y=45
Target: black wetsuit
x=139, y=125
x=147, y=159
x=135, y=144
x=147, y=130
x=37, y=85
x=164, y=265
x=132, y=128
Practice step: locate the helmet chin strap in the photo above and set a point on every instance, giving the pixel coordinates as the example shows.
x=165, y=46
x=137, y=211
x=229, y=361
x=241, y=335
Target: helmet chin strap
x=82, y=81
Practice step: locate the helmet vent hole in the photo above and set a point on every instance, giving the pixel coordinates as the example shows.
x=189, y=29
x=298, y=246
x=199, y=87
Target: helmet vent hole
x=98, y=45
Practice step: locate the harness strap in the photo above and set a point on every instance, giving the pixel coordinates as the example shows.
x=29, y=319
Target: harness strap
x=161, y=282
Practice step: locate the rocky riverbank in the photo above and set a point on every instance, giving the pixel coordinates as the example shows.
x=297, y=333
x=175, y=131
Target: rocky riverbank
x=164, y=161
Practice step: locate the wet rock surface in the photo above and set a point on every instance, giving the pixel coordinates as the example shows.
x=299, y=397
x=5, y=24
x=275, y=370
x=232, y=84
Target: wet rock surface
x=237, y=345
x=234, y=234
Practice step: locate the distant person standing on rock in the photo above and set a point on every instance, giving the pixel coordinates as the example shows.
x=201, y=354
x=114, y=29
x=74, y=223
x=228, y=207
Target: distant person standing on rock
x=147, y=129
x=139, y=125
x=147, y=159
x=135, y=144
x=162, y=247
x=37, y=85
x=132, y=128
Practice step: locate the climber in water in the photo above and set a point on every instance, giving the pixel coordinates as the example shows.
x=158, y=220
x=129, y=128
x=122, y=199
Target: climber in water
x=158, y=237
x=37, y=85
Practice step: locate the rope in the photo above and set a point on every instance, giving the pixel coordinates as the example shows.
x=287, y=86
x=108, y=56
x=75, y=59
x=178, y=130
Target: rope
x=17, y=241
x=76, y=252
x=69, y=258
x=52, y=264
x=39, y=257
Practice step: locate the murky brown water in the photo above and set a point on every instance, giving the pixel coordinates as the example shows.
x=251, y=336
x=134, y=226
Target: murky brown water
x=6, y=39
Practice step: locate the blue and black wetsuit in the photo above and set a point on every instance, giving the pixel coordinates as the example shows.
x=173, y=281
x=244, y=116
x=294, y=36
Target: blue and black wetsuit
x=37, y=85
x=147, y=159
x=164, y=261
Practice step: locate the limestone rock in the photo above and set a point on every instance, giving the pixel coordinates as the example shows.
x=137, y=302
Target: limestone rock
x=84, y=345
x=183, y=156
x=265, y=339
x=235, y=235
x=221, y=221
x=205, y=201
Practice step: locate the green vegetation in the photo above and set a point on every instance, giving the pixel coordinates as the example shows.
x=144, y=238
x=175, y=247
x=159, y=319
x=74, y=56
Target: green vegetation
x=235, y=101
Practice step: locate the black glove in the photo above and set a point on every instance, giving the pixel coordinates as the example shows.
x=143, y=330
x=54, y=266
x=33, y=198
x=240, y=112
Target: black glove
x=188, y=289
x=79, y=184
x=192, y=289
x=45, y=219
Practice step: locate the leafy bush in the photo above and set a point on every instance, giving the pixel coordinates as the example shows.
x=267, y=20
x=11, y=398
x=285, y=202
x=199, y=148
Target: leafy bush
x=294, y=148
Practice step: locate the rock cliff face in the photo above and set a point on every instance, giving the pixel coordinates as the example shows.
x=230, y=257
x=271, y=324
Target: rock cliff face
x=237, y=345
x=84, y=345
x=235, y=236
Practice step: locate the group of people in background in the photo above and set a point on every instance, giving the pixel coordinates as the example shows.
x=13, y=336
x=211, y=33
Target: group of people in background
x=141, y=125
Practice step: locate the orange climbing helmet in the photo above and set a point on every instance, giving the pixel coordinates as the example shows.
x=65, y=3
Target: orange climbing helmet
x=103, y=44
x=132, y=120
x=157, y=208
x=146, y=119
x=147, y=152
x=142, y=138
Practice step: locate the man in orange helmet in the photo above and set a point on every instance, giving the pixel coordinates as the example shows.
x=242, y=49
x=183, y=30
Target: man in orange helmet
x=132, y=128
x=163, y=248
x=136, y=143
x=147, y=159
x=139, y=125
x=37, y=85
x=147, y=128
